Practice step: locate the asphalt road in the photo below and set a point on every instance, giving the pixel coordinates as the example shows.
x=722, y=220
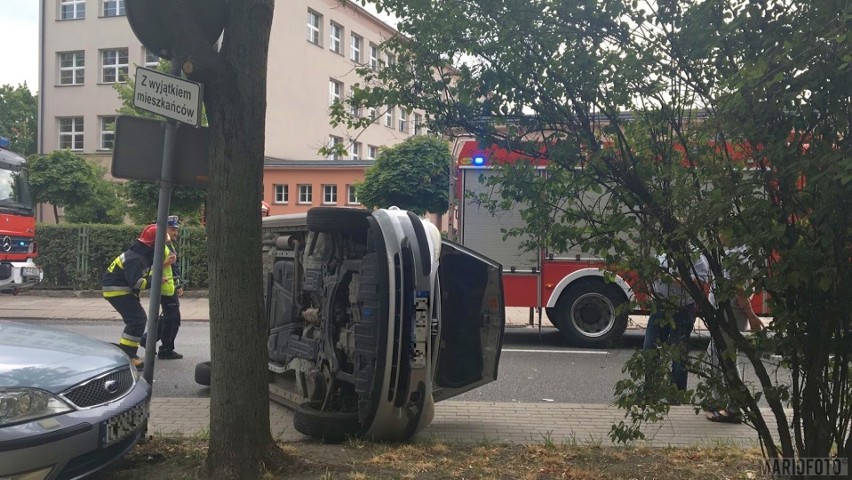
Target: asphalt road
x=533, y=367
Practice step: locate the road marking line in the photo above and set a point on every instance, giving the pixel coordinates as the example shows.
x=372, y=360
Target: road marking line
x=589, y=352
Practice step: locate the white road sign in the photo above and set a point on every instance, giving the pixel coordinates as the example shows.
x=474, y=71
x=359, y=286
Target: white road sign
x=169, y=96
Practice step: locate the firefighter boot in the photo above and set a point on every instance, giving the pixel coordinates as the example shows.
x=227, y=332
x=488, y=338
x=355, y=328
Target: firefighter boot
x=167, y=350
x=134, y=359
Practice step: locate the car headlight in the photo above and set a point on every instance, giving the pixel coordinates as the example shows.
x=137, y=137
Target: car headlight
x=27, y=404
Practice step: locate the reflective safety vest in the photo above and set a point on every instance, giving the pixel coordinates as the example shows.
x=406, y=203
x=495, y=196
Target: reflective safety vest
x=168, y=287
x=126, y=275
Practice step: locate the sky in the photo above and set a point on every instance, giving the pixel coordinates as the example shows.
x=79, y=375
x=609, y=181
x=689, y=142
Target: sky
x=19, y=43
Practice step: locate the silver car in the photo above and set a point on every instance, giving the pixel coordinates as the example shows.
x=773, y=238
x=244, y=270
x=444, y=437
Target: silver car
x=373, y=318
x=69, y=405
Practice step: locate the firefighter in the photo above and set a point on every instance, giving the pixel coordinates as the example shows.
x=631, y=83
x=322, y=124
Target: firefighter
x=125, y=277
x=170, y=324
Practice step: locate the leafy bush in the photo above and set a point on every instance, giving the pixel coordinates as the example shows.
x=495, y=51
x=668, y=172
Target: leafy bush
x=76, y=256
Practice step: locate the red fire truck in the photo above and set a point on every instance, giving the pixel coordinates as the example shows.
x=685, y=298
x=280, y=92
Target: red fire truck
x=569, y=287
x=17, y=225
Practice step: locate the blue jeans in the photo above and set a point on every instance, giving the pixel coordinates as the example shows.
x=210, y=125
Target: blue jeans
x=684, y=319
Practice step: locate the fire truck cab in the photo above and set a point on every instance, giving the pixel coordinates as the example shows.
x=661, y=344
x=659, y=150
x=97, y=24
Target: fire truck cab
x=17, y=225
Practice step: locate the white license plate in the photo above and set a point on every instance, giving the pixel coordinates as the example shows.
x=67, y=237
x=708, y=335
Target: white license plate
x=120, y=426
x=31, y=271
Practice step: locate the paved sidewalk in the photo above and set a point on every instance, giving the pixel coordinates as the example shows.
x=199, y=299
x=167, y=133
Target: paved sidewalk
x=454, y=421
x=475, y=422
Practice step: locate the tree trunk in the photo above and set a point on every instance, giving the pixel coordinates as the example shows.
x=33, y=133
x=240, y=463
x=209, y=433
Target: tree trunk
x=234, y=79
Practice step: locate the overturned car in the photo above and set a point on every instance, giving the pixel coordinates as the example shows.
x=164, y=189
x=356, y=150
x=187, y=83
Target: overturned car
x=373, y=318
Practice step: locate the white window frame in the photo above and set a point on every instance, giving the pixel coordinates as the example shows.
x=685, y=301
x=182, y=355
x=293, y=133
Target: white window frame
x=335, y=89
x=116, y=6
x=356, y=42
x=389, y=117
x=374, y=56
x=332, y=142
x=314, y=27
x=390, y=59
x=71, y=131
x=106, y=136
x=351, y=195
x=76, y=69
x=306, y=194
x=76, y=9
x=372, y=152
x=117, y=68
x=403, y=120
x=149, y=62
x=418, y=123
x=373, y=114
x=281, y=194
x=335, y=38
x=354, y=110
x=355, y=151
x=329, y=194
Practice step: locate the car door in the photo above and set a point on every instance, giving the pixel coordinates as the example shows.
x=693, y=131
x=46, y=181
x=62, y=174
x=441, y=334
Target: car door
x=471, y=319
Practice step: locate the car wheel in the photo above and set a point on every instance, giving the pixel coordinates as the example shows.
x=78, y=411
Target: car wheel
x=587, y=314
x=202, y=373
x=331, y=427
x=337, y=220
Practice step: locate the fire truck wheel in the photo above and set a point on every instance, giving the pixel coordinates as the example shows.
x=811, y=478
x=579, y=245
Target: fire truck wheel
x=586, y=313
x=337, y=220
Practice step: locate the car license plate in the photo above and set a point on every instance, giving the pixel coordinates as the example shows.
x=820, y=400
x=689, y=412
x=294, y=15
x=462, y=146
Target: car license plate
x=120, y=426
x=31, y=271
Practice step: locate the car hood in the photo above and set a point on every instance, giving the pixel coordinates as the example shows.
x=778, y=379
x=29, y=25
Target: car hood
x=51, y=359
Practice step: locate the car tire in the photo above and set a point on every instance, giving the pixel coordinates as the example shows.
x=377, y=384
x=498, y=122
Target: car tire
x=337, y=220
x=587, y=314
x=202, y=373
x=330, y=427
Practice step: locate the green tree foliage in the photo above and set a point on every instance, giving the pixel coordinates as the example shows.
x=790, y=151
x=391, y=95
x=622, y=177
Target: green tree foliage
x=413, y=175
x=186, y=201
x=105, y=205
x=663, y=124
x=63, y=179
x=18, y=117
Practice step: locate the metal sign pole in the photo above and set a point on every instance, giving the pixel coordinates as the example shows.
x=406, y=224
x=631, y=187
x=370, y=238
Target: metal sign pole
x=160, y=242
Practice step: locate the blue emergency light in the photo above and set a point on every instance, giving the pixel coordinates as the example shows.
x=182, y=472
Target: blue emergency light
x=478, y=160
x=4, y=142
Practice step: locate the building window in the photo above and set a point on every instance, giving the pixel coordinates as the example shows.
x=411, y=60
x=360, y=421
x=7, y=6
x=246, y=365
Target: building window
x=107, y=134
x=335, y=36
x=333, y=143
x=72, y=9
x=390, y=59
x=329, y=194
x=152, y=60
x=314, y=23
x=355, y=151
x=372, y=152
x=373, y=114
x=351, y=195
x=114, y=65
x=306, y=194
x=282, y=194
x=71, y=133
x=354, y=109
x=374, y=56
x=389, y=117
x=334, y=90
x=355, y=43
x=71, y=68
x=418, y=123
x=403, y=121
x=113, y=8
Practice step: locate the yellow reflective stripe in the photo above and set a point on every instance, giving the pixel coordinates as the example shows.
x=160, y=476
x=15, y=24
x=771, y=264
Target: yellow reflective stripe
x=128, y=342
x=115, y=294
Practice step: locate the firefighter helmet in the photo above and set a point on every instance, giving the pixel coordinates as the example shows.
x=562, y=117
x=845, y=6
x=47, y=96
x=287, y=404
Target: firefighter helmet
x=148, y=235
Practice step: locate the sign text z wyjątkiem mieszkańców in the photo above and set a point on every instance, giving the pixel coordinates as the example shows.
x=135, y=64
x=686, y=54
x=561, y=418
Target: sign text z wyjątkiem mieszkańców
x=167, y=95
